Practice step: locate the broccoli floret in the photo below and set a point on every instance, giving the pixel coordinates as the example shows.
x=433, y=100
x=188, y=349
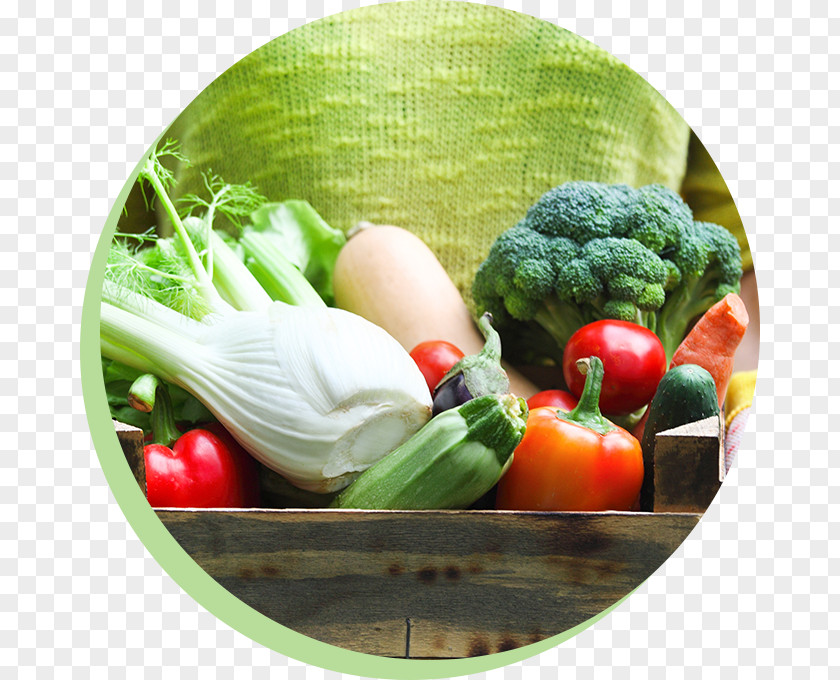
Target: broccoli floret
x=587, y=251
x=625, y=270
x=657, y=218
x=581, y=211
x=709, y=258
x=523, y=271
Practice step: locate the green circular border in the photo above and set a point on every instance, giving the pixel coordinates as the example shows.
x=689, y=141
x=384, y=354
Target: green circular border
x=186, y=572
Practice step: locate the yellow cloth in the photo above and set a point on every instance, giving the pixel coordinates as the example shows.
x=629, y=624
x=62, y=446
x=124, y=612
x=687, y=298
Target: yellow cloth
x=739, y=394
x=446, y=118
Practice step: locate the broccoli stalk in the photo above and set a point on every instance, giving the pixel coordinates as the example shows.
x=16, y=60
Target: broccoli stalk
x=685, y=305
x=588, y=251
x=560, y=319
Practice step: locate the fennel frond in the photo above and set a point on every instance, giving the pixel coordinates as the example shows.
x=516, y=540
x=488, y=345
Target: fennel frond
x=233, y=201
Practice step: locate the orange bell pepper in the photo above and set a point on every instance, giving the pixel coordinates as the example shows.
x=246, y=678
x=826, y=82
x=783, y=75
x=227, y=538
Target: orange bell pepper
x=574, y=461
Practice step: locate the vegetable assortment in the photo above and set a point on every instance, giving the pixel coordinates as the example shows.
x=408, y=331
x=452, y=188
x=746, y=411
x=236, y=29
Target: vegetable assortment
x=352, y=367
x=587, y=251
x=390, y=277
x=313, y=392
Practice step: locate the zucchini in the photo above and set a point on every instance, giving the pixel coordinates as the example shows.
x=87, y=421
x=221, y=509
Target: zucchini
x=686, y=394
x=456, y=458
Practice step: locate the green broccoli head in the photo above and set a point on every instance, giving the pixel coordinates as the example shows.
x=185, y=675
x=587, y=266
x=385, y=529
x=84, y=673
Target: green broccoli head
x=581, y=211
x=587, y=251
x=708, y=249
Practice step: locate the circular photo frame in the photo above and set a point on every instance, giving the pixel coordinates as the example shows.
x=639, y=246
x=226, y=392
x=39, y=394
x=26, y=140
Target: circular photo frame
x=413, y=346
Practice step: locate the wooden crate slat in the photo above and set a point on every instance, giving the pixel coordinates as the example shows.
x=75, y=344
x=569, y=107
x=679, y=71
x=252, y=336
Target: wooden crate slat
x=470, y=583
x=688, y=466
x=131, y=441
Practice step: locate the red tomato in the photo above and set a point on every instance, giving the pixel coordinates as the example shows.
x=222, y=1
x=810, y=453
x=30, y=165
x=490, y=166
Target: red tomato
x=634, y=363
x=199, y=471
x=564, y=466
x=434, y=358
x=557, y=398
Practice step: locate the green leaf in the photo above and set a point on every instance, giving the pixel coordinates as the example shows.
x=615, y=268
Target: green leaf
x=306, y=240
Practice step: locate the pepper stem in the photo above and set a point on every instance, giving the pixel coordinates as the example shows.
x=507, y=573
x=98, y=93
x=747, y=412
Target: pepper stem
x=587, y=412
x=150, y=395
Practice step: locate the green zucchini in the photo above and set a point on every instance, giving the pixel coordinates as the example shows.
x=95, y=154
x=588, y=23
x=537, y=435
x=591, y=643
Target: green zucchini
x=450, y=463
x=686, y=394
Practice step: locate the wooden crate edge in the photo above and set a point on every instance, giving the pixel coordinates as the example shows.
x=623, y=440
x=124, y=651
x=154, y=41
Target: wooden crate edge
x=131, y=441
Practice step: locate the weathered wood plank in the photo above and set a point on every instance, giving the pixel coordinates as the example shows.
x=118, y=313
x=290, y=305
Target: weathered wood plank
x=688, y=466
x=131, y=441
x=469, y=582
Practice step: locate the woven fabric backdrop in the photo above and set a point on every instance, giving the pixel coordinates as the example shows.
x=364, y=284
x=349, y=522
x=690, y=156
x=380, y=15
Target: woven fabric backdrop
x=86, y=88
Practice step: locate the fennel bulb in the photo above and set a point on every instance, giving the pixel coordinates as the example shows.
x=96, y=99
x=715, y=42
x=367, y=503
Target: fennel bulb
x=316, y=394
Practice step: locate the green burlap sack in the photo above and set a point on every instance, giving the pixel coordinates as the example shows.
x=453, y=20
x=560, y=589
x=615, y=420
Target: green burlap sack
x=446, y=118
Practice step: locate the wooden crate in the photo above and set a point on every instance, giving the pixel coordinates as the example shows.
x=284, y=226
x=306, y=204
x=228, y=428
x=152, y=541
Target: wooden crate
x=447, y=584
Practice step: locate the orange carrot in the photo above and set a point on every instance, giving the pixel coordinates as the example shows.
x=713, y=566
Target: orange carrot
x=711, y=344
x=713, y=341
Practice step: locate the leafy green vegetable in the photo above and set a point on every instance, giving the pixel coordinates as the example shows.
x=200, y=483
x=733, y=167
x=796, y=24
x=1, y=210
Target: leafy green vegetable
x=299, y=232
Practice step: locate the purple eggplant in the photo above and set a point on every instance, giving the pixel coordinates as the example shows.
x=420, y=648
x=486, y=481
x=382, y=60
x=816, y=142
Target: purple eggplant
x=475, y=375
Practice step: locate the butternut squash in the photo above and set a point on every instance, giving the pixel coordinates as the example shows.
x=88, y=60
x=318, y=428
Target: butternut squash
x=391, y=277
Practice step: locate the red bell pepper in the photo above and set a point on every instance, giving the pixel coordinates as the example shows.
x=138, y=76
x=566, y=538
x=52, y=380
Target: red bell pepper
x=204, y=467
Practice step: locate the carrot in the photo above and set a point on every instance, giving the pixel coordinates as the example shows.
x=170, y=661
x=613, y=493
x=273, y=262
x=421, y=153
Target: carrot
x=712, y=344
x=713, y=341
x=639, y=430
